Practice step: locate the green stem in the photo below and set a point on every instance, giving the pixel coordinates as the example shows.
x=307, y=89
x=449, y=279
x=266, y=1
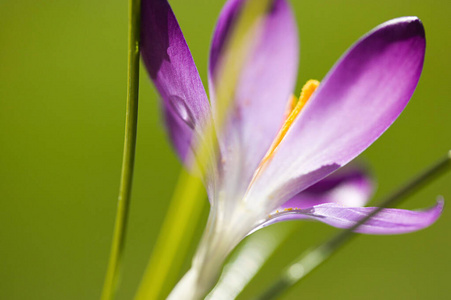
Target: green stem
x=177, y=230
x=314, y=257
x=128, y=159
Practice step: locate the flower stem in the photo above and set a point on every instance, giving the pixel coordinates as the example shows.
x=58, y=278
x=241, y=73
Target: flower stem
x=314, y=257
x=176, y=232
x=128, y=159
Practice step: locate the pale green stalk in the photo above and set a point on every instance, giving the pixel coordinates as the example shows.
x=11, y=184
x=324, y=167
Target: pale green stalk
x=314, y=257
x=128, y=159
x=176, y=233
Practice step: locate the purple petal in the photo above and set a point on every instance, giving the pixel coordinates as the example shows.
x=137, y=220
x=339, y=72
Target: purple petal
x=387, y=221
x=356, y=102
x=349, y=186
x=264, y=86
x=171, y=67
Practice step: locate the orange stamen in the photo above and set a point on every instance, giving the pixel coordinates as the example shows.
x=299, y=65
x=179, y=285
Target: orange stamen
x=294, y=108
x=307, y=91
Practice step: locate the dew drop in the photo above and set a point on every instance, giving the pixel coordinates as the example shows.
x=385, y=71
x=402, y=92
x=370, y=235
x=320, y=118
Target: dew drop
x=182, y=110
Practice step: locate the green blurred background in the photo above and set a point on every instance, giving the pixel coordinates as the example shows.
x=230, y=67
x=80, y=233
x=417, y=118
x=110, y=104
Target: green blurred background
x=62, y=103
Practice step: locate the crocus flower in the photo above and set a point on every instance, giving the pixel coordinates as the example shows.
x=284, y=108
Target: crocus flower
x=272, y=155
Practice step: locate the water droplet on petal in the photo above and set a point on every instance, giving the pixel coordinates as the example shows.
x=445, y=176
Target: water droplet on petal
x=182, y=110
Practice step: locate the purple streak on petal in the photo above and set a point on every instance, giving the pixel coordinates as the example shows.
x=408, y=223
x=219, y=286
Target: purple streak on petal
x=387, y=221
x=349, y=186
x=263, y=90
x=356, y=102
x=173, y=71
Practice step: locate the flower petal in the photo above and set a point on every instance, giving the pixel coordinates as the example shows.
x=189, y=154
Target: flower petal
x=356, y=102
x=172, y=69
x=264, y=85
x=387, y=221
x=349, y=186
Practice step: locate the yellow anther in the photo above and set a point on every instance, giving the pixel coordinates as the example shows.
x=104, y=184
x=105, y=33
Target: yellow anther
x=307, y=91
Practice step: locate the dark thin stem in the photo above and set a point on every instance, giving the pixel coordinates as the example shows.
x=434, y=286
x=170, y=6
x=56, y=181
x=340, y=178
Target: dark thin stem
x=314, y=257
x=128, y=159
